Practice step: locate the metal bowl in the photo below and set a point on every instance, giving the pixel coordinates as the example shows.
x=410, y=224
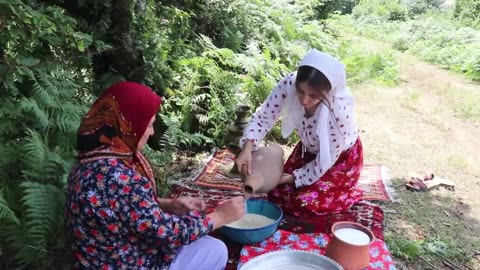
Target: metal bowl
x=290, y=260
x=255, y=235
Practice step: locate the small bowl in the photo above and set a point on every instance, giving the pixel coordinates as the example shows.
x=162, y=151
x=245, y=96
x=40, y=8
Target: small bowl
x=255, y=235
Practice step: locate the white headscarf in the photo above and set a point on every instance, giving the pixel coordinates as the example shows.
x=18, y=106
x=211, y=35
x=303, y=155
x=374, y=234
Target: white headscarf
x=341, y=101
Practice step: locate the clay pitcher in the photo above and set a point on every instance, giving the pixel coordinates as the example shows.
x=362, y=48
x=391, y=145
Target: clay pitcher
x=350, y=245
x=267, y=170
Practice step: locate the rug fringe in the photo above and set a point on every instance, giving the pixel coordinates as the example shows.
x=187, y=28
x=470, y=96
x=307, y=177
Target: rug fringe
x=387, y=181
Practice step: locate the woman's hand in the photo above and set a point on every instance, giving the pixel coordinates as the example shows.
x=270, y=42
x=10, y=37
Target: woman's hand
x=245, y=158
x=182, y=206
x=228, y=212
x=287, y=179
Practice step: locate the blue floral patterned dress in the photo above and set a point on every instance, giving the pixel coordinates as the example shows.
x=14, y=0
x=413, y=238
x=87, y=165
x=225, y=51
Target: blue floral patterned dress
x=113, y=220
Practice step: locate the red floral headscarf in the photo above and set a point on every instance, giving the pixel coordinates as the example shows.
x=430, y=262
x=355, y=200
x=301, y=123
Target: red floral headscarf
x=115, y=123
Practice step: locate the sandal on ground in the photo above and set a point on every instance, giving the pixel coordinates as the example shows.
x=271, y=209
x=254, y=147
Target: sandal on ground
x=416, y=184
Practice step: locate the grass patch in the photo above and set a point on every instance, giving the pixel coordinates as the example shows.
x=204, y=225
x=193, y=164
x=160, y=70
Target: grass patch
x=432, y=228
x=465, y=103
x=464, y=163
x=468, y=109
x=366, y=64
x=414, y=95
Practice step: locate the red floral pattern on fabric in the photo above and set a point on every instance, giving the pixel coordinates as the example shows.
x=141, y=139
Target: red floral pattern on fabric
x=380, y=258
x=113, y=219
x=335, y=191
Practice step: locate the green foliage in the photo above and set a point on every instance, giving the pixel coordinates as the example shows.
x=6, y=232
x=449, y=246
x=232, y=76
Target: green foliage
x=391, y=10
x=327, y=7
x=175, y=137
x=404, y=248
x=7, y=214
x=40, y=114
x=160, y=160
x=363, y=66
x=416, y=7
x=445, y=44
x=205, y=95
x=468, y=12
x=434, y=39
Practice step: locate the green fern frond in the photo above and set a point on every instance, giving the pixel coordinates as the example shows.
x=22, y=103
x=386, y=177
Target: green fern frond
x=203, y=119
x=49, y=84
x=30, y=242
x=6, y=214
x=66, y=123
x=39, y=92
x=43, y=204
x=200, y=98
x=40, y=117
x=34, y=148
x=168, y=140
x=199, y=139
x=39, y=162
x=68, y=88
x=26, y=252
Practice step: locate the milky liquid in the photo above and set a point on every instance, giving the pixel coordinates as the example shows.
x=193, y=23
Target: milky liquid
x=353, y=236
x=251, y=221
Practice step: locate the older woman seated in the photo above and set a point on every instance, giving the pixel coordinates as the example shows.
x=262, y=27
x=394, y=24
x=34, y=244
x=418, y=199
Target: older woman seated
x=113, y=217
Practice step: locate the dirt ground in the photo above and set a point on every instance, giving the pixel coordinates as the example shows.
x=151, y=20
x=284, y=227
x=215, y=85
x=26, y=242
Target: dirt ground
x=428, y=123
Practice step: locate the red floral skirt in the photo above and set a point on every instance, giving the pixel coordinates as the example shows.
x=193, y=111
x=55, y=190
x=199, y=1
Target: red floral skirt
x=313, y=200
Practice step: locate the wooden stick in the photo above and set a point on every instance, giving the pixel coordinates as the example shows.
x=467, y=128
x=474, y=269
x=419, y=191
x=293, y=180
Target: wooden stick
x=450, y=262
x=449, y=265
x=432, y=265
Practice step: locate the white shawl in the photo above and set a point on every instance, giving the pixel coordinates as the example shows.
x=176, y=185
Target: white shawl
x=341, y=102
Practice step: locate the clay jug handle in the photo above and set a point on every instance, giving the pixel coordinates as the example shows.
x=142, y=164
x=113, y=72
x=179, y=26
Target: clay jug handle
x=249, y=185
x=243, y=171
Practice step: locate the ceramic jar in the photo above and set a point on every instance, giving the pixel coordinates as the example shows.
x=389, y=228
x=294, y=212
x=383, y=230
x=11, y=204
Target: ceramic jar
x=350, y=245
x=267, y=170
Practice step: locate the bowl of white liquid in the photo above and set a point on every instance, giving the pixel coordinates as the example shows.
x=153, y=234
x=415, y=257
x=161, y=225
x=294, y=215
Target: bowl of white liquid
x=259, y=222
x=350, y=245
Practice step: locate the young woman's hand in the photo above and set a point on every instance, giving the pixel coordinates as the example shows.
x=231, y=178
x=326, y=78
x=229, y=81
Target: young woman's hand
x=287, y=179
x=244, y=159
x=228, y=212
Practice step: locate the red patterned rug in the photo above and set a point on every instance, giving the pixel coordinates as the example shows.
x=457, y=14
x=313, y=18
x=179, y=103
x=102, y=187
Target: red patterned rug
x=365, y=213
x=218, y=173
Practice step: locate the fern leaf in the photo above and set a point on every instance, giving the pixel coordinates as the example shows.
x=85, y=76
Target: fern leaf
x=49, y=86
x=200, y=98
x=40, y=117
x=26, y=253
x=203, y=119
x=43, y=207
x=31, y=240
x=39, y=92
x=34, y=148
x=67, y=124
x=6, y=214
